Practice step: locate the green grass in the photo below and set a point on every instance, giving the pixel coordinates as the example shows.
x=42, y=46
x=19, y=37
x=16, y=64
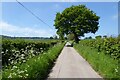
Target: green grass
x=37, y=67
x=0, y=75
x=106, y=66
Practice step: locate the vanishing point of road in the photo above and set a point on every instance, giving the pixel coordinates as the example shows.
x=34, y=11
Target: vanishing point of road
x=70, y=64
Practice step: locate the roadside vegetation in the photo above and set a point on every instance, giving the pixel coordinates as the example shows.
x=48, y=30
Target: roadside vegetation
x=29, y=59
x=32, y=59
x=103, y=54
x=0, y=74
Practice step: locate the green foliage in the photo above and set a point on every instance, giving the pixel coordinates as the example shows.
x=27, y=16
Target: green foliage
x=98, y=37
x=19, y=51
x=88, y=37
x=105, y=36
x=55, y=37
x=51, y=37
x=0, y=74
x=71, y=36
x=35, y=68
x=103, y=55
x=110, y=46
x=77, y=20
x=106, y=66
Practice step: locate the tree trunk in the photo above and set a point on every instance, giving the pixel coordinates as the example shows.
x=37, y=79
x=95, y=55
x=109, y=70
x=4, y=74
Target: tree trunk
x=76, y=38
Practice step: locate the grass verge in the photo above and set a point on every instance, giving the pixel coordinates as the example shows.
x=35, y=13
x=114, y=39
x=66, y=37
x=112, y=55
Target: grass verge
x=0, y=75
x=37, y=67
x=106, y=66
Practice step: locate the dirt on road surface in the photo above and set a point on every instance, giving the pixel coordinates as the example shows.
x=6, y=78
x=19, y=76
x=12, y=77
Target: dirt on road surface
x=71, y=65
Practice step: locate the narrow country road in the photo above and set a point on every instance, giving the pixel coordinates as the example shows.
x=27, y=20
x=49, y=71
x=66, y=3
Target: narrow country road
x=71, y=65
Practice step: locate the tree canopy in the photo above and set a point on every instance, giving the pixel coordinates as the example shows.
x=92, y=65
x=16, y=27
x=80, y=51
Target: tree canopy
x=77, y=20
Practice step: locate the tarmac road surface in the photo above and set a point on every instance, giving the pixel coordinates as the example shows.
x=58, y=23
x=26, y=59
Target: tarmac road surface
x=70, y=64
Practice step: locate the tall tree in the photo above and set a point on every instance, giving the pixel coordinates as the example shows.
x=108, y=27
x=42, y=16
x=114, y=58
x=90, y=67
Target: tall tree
x=77, y=20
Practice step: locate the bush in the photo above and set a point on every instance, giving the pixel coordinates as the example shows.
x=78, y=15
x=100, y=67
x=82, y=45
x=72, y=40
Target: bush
x=18, y=50
x=35, y=68
x=98, y=37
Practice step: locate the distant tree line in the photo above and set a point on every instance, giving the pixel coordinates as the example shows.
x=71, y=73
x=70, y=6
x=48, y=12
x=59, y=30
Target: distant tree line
x=99, y=37
x=9, y=37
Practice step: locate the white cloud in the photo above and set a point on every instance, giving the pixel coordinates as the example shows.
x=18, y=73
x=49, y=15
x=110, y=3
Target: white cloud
x=11, y=30
x=115, y=16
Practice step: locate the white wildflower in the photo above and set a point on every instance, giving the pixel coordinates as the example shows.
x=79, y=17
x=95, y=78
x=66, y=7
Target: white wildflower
x=8, y=59
x=17, y=52
x=33, y=54
x=31, y=51
x=24, y=60
x=16, y=55
x=20, y=76
x=26, y=74
x=10, y=76
x=6, y=50
x=28, y=65
x=2, y=52
x=13, y=50
x=41, y=48
x=22, y=55
x=22, y=49
x=20, y=72
x=14, y=67
x=15, y=62
x=25, y=70
x=116, y=70
x=14, y=73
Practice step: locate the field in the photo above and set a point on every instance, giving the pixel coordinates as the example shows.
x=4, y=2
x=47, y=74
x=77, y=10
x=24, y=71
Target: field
x=28, y=58
x=24, y=58
x=103, y=54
